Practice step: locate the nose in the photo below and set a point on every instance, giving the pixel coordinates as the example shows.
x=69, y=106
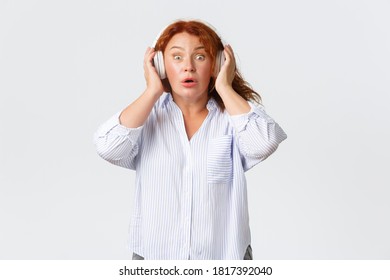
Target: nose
x=189, y=66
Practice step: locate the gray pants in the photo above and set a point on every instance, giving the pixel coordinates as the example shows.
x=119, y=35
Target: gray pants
x=248, y=255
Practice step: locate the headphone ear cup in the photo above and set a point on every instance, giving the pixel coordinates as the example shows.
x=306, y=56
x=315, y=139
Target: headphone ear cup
x=219, y=61
x=158, y=61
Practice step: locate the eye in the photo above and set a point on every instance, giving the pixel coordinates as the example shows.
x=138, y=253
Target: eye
x=200, y=57
x=177, y=57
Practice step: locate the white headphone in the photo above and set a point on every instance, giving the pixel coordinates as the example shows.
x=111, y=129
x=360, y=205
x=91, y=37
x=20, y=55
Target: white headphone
x=158, y=59
x=159, y=64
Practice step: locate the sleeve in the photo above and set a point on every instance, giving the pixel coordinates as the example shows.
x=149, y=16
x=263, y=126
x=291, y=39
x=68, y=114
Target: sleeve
x=116, y=143
x=257, y=135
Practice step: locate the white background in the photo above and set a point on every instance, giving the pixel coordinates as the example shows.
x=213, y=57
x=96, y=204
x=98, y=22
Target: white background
x=322, y=68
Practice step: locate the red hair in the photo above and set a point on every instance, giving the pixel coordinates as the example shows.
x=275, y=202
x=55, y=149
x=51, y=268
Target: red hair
x=212, y=43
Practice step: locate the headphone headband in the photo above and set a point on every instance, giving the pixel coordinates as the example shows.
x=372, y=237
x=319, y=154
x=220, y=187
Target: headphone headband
x=187, y=19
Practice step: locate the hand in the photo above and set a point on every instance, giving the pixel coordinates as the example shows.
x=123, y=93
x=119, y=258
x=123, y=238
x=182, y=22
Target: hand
x=153, y=81
x=228, y=70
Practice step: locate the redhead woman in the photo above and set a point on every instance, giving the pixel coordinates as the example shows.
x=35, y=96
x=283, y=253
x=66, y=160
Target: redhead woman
x=190, y=137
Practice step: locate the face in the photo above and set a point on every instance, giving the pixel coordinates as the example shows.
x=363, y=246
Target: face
x=188, y=66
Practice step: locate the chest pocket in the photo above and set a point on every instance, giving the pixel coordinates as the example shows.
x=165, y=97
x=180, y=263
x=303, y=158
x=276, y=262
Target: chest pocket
x=219, y=160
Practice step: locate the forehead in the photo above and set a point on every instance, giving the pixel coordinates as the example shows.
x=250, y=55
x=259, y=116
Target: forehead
x=184, y=40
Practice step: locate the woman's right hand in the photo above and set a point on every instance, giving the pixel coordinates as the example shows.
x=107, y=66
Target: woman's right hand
x=153, y=82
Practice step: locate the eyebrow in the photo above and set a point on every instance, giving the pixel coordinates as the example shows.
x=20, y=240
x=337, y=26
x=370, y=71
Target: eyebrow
x=181, y=48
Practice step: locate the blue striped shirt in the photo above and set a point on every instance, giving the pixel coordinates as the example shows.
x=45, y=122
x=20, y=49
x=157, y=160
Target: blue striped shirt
x=191, y=195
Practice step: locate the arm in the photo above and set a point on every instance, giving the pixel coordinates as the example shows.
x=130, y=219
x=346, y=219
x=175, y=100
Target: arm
x=137, y=112
x=234, y=103
x=117, y=140
x=257, y=134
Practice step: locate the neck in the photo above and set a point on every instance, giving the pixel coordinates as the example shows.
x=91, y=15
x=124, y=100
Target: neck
x=190, y=107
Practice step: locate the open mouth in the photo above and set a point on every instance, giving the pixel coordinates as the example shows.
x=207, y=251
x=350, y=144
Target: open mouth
x=189, y=82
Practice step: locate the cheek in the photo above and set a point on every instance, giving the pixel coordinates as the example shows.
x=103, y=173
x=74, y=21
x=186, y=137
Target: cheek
x=171, y=69
x=205, y=70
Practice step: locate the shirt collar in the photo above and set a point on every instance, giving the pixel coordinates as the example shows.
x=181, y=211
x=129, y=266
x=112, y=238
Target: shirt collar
x=165, y=99
x=212, y=104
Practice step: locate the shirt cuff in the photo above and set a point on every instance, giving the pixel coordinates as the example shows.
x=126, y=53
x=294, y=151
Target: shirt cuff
x=114, y=126
x=240, y=121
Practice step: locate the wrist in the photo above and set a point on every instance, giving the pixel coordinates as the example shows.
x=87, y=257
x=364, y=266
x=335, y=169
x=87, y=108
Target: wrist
x=224, y=89
x=153, y=93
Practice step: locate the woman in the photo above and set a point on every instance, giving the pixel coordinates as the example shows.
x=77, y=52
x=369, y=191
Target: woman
x=190, y=137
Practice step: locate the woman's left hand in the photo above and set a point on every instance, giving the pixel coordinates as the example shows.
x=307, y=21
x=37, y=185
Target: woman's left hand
x=227, y=72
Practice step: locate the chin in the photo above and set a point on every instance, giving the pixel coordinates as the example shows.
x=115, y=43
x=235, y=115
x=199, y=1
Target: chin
x=190, y=93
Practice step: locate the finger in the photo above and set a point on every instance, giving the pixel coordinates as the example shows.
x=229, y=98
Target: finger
x=230, y=62
x=229, y=52
x=149, y=69
x=149, y=54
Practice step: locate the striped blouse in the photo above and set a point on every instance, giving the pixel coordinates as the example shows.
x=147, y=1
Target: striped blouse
x=191, y=195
